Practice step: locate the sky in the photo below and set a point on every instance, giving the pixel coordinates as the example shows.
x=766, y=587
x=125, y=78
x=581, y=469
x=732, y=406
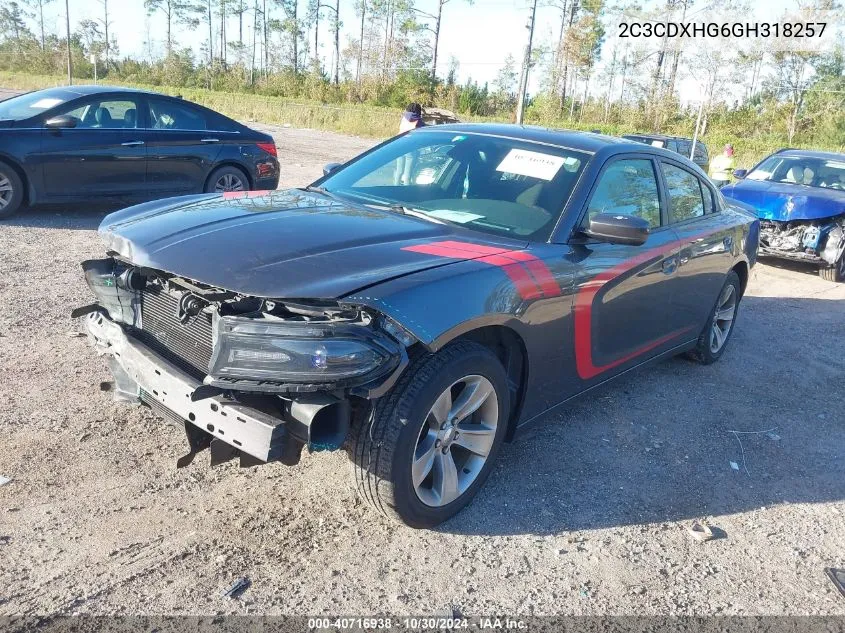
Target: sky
x=480, y=35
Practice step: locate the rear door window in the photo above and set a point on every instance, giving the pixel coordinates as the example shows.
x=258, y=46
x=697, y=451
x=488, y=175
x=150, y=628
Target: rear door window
x=684, y=193
x=628, y=187
x=169, y=115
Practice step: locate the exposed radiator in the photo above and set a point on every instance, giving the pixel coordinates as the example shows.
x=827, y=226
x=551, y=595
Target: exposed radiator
x=188, y=345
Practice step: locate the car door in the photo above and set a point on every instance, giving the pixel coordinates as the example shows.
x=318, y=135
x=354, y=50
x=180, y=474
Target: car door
x=103, y=155
x=623, y=294
x=182, y=148
x=706, y=243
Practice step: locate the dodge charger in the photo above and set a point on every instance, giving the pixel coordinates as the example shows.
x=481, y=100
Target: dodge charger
x=418, y=305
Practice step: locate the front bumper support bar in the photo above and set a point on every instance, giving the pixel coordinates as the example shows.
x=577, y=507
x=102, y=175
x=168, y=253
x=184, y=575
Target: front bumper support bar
x=246, y=429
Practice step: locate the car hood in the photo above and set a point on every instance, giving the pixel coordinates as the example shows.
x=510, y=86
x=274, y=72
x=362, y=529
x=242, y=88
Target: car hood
x=285, y=244
x=786, y=202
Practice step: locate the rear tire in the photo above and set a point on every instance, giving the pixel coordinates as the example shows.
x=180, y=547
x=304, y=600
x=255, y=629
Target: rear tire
x=410, y=456
x=835, y=272
x=227, y=178
x=711, y=344
x=11, y=191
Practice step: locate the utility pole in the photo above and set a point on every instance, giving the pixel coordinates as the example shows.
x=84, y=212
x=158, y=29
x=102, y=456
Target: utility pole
x=69, y=59
x=106, y=28
x=526, y=66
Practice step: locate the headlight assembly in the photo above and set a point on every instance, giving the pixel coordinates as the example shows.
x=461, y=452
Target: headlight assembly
x=257, y=349
x=116, y=289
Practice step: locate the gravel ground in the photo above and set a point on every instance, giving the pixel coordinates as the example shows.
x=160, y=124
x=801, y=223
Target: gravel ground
x=585, y=514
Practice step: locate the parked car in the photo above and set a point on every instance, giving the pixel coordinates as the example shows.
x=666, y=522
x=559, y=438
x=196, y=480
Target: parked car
x=438, y=116
x=799, y=195
x=420, y=304
x=678, y=144
x=85, y=143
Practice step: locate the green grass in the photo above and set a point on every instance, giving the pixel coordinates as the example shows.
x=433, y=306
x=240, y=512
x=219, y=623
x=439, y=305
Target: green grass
x=365, y=120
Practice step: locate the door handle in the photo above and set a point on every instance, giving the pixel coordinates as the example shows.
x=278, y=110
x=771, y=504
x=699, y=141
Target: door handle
x=132, y=143
x=669, y=265
x=210, y=140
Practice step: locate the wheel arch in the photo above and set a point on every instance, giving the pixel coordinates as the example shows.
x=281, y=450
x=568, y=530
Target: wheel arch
x=741, y=269
x=229, y=162
x=509, y=348
x=28, y=192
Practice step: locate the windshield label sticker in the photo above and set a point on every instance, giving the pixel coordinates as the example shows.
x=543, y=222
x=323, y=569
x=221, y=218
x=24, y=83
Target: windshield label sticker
x=461, y=217
x=43, y=104
x=657, y=143
x=532, y=164
x=571, y=164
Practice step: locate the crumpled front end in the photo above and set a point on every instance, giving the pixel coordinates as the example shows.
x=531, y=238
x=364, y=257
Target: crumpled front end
x=247, y=377
x=819, y=242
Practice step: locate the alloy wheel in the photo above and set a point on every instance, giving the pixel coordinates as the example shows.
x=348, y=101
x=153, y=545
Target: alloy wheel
x=723, y=319
x=6, y=191
x=455, y=440
x=228, y=182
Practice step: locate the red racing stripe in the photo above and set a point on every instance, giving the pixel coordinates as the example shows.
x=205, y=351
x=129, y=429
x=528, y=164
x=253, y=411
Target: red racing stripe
x=469, y=247
x=584, y=301
x=522, y=281
x=530, y=274
x=437, y=248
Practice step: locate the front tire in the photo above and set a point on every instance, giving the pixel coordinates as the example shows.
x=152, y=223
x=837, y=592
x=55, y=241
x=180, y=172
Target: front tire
x=226, y=179
x=428, y=445
x=717, y=331
x=835, y=272
x=11, y=191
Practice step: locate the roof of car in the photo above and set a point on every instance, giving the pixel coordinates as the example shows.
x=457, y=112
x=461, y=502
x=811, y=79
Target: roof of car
x=811, y=153
x=585, y=141
x=661, y=137
x=72, y=92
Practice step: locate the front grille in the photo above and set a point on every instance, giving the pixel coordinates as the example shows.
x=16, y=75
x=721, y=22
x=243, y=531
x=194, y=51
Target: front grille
x=186, y=345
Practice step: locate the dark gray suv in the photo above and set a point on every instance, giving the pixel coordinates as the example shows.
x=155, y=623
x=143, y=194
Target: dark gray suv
x=678, y=144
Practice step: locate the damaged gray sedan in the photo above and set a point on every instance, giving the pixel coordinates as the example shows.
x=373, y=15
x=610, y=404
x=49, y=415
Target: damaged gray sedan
x=419, y=305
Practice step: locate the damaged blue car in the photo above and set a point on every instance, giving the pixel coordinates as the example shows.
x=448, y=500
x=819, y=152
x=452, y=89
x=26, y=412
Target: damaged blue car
x=799, y=196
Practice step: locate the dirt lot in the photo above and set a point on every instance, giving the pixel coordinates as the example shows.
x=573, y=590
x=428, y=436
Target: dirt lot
x=587, y=514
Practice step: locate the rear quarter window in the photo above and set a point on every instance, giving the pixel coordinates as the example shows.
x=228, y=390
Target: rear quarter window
x=171, y=115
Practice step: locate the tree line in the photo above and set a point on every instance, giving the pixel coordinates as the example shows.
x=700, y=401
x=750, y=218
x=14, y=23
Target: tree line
x=581, y=75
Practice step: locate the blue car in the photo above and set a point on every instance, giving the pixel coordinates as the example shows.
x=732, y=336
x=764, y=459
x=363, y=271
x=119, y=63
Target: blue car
x=799, y=196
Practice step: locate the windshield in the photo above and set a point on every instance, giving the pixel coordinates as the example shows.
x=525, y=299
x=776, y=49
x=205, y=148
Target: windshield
x=802, y=170
x=495, y=185
x=30, y=104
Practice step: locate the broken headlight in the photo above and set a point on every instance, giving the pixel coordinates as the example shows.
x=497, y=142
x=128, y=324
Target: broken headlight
x=116, y=288
x=260, y=349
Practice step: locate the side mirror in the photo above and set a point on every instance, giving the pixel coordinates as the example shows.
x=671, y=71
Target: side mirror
x=739, y=174
x=329, y=168
x=618, y=229
x=61, y=122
